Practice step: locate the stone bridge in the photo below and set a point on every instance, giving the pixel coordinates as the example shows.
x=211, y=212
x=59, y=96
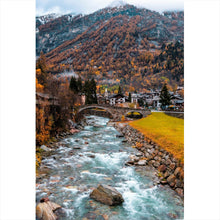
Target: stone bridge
x=111, y=112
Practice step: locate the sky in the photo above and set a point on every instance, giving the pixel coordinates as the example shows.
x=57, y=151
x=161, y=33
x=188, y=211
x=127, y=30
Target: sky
x=88, y=6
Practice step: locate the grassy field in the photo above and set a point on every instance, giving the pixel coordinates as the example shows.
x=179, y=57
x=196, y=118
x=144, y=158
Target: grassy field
x=166, y=131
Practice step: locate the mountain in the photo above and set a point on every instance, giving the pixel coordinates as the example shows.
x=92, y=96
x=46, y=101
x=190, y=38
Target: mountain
x=52, y=30
x=117, y=43
x=117, y=3
x=45, y=19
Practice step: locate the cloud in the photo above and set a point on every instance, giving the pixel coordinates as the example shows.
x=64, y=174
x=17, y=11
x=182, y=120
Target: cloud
x=89, y=6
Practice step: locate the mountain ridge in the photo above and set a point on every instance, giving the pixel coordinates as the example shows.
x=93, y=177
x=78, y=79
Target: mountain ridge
x=111, y=42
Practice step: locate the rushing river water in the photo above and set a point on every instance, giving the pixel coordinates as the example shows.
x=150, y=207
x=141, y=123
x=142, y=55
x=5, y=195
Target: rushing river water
x=93, y=156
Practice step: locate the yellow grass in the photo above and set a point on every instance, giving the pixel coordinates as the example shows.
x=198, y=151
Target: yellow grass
x=166, y=131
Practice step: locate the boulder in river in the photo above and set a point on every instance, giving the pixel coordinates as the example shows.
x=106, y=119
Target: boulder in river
x=45, y=148
x=142, y=162
x=107, y=195
x=119, y=135
x=45, y=210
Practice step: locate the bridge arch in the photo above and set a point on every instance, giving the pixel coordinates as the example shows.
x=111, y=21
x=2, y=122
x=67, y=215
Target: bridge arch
x=134, y=114
x=95, y=110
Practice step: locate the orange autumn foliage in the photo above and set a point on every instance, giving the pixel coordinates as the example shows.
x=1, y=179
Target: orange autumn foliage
x=43, y=126
x=39, y=87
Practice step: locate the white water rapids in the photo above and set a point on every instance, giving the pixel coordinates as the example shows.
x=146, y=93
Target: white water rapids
x=69, y=174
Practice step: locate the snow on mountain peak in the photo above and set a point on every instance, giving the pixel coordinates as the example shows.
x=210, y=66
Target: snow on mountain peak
x=118, y=3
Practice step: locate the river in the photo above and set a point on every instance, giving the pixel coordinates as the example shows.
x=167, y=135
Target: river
x=96, y=155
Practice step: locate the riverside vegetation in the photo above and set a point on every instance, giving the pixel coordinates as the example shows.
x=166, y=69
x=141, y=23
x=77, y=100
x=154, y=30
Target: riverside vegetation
x=164, y=130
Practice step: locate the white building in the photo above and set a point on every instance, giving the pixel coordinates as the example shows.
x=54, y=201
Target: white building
x=117, y=99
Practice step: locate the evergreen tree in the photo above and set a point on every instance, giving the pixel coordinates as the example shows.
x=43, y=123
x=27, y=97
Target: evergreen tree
x=79, y=84
x=129, y=97
x=140, y=102
x=93, y=90
x=90, y=91
x=73, y=85
x=119, y=90
x=165, y=97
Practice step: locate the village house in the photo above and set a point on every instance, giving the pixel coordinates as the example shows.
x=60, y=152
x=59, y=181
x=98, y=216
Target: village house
x=177, y=100
x=116, y=99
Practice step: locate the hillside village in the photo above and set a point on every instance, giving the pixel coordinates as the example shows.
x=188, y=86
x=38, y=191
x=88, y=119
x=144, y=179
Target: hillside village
x=149, y=100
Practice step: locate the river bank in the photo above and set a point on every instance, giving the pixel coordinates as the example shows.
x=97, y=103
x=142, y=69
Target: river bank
x=169, y=170
x=96, y=155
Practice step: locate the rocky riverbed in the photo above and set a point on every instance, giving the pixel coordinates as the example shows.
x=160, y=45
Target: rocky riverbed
x=98, y=154
x=169, y=170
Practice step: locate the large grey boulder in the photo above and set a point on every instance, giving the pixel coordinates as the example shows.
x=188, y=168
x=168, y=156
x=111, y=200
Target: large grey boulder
x=107, y=195
x=45, y=210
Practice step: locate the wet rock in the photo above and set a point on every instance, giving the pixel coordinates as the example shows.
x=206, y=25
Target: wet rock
x=171, y=180
x=139, y=154
x=120, y=135
x=162, y=168
x=168, y=162
x=141, y=162
x=77, y=148
x=178, y=172
x=151, y=162
x=134, y=158
x=162, y=161
x=156, y=158
x=179, y=191
x=160, y=154
x=166, y=157
x=60, y=213
x=97, y=126
x=172, y=166
x=107, y=195
x=129, y=163
x=179, y=183
x=166, y=174
x=90, y=215
x=124, y=141
x=172, y=215
x=156, y=164
x=71, y=153
x=45, y=210
x=147, y=155
x=56, y=157
x=91, y=156
x=163, y=182
x=45, y=148
x=86, y=142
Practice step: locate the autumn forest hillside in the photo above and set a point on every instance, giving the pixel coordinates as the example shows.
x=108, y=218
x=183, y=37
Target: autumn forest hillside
x=135, y=47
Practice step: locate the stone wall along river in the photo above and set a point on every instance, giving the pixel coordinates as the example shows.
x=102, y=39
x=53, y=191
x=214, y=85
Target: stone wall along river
x=95, y=156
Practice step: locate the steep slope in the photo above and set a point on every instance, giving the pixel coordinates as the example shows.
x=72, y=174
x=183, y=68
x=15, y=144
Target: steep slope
x=116, y=43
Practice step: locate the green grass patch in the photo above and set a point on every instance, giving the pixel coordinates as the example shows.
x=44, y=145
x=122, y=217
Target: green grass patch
x=166, y=131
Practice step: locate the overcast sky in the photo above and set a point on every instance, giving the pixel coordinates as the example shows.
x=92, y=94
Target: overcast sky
x=89, y=6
